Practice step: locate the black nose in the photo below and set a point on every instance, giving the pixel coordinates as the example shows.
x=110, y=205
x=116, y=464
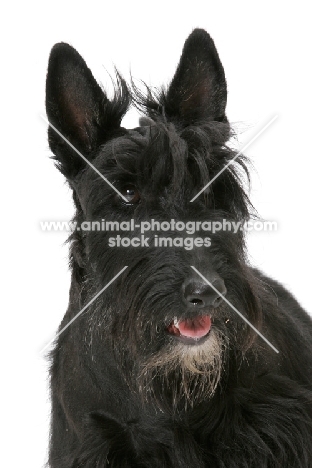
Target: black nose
x=199, y=294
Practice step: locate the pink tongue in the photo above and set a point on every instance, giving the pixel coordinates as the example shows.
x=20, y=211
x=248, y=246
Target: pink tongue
x=196, y=327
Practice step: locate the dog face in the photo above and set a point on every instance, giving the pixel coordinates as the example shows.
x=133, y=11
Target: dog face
x=170, y=333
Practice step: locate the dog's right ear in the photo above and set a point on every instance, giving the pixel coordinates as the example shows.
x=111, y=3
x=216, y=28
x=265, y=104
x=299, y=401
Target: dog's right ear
x=77, y=107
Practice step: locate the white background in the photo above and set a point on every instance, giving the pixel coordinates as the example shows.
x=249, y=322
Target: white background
x=265, y=48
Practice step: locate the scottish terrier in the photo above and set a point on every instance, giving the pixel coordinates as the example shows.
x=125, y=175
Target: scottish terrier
x=174, y=352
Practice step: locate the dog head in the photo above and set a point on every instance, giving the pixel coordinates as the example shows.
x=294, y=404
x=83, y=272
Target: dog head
x=170, y=330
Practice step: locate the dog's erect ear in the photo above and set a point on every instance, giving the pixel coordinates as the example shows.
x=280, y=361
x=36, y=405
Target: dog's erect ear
x=198, y=89
x=77, y=107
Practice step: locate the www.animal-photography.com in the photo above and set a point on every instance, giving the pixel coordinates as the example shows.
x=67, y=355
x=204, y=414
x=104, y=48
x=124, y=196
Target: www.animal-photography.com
x=157, y=237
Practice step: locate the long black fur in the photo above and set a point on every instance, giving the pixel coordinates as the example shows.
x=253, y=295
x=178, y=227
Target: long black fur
x=125, y=393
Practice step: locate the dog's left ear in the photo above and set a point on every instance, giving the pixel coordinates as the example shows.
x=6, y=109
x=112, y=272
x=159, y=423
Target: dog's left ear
x=198, y=90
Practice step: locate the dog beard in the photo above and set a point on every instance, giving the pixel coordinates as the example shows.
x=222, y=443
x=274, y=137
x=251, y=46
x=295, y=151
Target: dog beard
x=183, y=375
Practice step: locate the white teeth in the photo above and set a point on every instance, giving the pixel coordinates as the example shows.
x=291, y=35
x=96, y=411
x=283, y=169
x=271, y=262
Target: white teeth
x=175, y=322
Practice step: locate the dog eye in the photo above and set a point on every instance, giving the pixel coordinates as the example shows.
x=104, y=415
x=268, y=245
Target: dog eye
x=132, y=194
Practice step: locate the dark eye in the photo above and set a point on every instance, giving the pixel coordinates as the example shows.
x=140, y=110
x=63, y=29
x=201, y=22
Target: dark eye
x=131, y=193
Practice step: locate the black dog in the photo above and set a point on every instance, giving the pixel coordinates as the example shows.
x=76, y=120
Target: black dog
x=160, y=370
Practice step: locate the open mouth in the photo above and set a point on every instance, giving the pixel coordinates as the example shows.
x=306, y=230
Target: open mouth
x=191, y=330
